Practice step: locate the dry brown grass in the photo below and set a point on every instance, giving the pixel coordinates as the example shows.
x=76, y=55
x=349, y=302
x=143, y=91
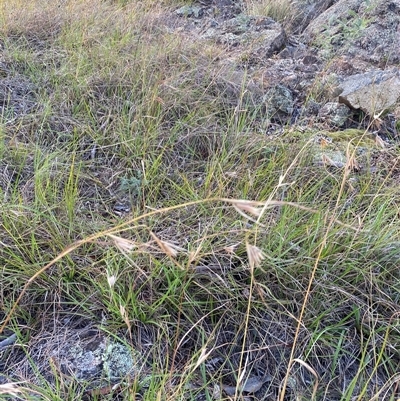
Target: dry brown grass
x=281, y=11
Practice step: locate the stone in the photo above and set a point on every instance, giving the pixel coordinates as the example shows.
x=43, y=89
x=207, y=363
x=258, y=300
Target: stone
x=251, y=385
x=86, y=357
x=335, y=113
x=278, y=99
x=96, y=358
x=257, y=37
x=190, y=11
x=373, y=92
x=366, y=30
x=306, y=11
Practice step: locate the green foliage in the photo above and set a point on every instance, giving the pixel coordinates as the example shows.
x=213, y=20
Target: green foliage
x=134, y=184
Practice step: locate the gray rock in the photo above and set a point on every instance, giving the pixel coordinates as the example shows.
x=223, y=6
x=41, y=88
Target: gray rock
x=87, y=357
x=366, y=30
x=235, y=87
x=334, y=113
x=190, y=11
x=311, y=108
x=96, y=358
x=278, y=99
x=373, y=92
x=343, y=38
x=327, y=24
x=118, y=361
x=306, y=11
x=251, y=385
x=255, y=36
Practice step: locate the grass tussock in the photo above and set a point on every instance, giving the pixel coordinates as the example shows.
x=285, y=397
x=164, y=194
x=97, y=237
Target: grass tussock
x=140, y=198
x=284, y=11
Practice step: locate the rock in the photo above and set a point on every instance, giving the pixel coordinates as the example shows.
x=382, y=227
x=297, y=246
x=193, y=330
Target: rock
x=306, y=11
x=332, y=149
x=334, y=113
x=366, y=30
x=235, y=87
x=341, y=39
x=190, y=11
x=96, y=358
x=254, y=36
x=278, y=99
x=86, y=357
x=373, y=92
x=251, y=385
x=328, y=24
x=311, y=108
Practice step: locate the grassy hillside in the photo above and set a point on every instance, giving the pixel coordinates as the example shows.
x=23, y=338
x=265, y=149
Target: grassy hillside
x=137, y=198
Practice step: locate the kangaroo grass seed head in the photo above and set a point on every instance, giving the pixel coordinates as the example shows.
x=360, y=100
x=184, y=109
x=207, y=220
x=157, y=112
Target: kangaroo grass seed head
x=248, y=207
x=255, y=255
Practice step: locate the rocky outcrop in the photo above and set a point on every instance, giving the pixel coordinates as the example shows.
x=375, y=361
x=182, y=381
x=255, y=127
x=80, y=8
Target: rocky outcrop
x=369, y=30
x=335, y=113
x=278, y=100
x=305, y=11
x=374, y=92
x=332, y=64
x=252, y=37
x=327, y=73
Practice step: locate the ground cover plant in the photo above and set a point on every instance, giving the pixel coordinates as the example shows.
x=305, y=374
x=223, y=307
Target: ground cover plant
x=138, y=201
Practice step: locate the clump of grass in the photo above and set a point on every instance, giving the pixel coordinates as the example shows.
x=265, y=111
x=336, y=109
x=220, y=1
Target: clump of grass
x=282, y=12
